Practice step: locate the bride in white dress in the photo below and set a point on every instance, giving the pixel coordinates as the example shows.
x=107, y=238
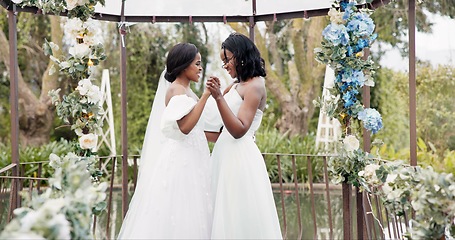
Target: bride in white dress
x=244, y=207
x=172, y=197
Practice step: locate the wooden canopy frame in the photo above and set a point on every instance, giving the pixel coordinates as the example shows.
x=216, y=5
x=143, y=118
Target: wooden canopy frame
x=251, y=19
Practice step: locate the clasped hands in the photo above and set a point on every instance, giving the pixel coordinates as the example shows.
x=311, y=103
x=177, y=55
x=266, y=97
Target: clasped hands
x=214, y=86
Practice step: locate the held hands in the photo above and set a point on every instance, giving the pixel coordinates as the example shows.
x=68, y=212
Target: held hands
x=214, y=86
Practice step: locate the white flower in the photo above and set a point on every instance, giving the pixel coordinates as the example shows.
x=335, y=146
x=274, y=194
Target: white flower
x=84, y=86
x=78, y=132
x=335, y=16
x=80, y=50
x=54, y=160
x=74, y=27
x=94, y=94
x=88, y=141
x=351, y=143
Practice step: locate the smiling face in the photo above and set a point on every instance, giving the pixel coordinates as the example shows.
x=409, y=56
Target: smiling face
x=193, y=71
x=227, y=57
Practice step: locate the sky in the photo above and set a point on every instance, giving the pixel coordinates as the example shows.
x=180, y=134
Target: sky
x=437, y=47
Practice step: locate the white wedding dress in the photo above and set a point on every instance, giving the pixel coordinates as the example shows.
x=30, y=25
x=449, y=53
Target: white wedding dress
x=244, y=207
x=172, y=197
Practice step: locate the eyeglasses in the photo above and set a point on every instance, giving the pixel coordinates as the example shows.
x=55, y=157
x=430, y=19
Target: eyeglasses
x=226, y=61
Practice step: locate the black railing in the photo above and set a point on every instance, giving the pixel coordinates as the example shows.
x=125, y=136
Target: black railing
x=308, y=205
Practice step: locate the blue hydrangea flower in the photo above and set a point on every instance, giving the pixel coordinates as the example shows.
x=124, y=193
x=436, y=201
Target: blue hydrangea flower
x=348, y=9
x=336, y=34
x=350, y=98
x=371, y=119
x=353, y=78
x=362, y=43
x=361, y=25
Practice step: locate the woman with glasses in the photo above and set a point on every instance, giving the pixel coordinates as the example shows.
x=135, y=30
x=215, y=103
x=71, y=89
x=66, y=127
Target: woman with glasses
x=243, y=207
x=172, y=197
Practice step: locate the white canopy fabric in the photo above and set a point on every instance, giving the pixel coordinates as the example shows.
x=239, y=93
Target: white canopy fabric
x=209, y=7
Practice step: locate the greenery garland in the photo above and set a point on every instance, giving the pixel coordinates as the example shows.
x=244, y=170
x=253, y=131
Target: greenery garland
x=65, y=209
x=345, y=39
x=402, y=188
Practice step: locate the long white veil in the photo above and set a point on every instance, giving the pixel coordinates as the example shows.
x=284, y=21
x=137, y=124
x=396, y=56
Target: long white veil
x=153, y=140
x=151, y=150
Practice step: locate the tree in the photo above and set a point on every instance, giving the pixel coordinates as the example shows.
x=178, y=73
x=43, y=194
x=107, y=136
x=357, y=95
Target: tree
x=192, y=33
x=294, y=78
x=35, y=108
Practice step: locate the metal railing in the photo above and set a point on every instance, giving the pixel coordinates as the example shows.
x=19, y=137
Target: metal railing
x=308, y=205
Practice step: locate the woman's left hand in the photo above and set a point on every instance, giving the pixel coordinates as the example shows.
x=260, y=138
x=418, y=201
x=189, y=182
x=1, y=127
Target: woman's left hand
x=213, y=84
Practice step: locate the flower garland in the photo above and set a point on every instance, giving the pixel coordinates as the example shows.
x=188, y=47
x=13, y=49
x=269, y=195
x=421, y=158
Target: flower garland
x=402, y=188
x=65, y=209
x=343, y=46
x=350, y=32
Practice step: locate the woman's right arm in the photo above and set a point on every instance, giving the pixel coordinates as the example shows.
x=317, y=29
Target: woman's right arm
x=187, y=123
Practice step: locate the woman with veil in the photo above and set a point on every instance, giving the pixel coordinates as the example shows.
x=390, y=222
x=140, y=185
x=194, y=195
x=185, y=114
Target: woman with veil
x=172, y=196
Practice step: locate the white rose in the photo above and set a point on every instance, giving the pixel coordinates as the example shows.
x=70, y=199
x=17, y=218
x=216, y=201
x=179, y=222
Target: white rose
x=335, y=16
x=74, y=27
x=84, y=86
x=94, y=94
x=80, y=50
x=351, y=143
x=88, y=141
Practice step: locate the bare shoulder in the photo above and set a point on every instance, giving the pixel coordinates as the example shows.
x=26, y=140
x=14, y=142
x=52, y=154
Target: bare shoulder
x=257, y=84
x=173, y=90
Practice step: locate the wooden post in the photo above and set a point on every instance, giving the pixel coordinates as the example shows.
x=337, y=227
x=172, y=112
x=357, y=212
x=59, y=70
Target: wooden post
x=14, y=104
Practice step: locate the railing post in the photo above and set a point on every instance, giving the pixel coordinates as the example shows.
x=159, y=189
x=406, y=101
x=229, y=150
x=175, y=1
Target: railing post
x=14, y=103
x=124, y=131
x=347, y=193
x=360, y=214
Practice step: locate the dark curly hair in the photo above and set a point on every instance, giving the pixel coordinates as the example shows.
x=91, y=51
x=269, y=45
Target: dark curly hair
x=247, y=56
x=179, y=57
